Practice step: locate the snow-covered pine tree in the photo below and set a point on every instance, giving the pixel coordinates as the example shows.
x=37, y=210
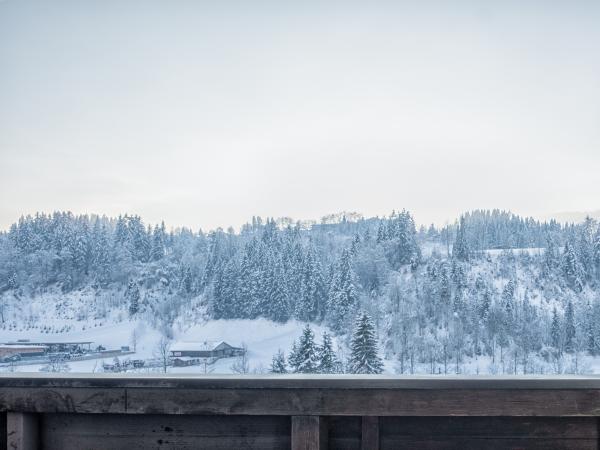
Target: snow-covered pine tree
x=597, y=252
x=589, y=329
x=461, y=250
x=555, y=330
x=157, y=250
x=132, y=294
x=101, y=255
x=572, y=268
x=278, y=304
x=305, y=358
x=311, y=303
x=508, y=300
x=364, y=358
x=569, y=328
x=278, y=364
x=328, y=362
x=342, y=296
x=294, y=358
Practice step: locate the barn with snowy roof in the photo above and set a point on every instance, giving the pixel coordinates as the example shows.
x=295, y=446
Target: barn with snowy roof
x=205, y=349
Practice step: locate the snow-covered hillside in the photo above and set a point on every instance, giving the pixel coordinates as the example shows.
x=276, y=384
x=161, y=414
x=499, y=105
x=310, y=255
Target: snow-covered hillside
x=262, y=337
x=492, y=293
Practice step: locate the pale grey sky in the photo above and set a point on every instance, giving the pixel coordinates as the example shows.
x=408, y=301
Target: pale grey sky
x=206, y=113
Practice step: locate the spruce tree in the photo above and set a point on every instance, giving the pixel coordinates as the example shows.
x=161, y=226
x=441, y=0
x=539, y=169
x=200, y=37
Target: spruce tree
x=305, y=358
x=572, y=268
x=311, y=302
x=460, y=250
x=555, y=330
x=278, y=304
x=569, y=328
x=294, y=358
x=342, y=297
x=363, y=348
x=133, y=296
x=278, y=364
x=589, y=326
x=328, y=362
x=596, y=252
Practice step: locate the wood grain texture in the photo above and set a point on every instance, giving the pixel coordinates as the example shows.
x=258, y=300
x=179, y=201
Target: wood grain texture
x=370, y=433
x=344, y=432
x=309, y=433
x=371, y=402
x=194, y=381
x=80, y=400
x=488, y=432
x=22, y=431
x=127, y=432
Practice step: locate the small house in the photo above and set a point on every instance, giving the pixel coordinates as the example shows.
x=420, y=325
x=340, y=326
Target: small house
x=8, y=350
x=206, y=349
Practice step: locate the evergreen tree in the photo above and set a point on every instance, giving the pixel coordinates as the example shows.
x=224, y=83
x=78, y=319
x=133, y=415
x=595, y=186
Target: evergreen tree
x=226, y=299
x=589, y=325
x=278, y=306
x=572, y=268
x=304, y=358
x=294, y=360
x=158, y=242
x=311, y=304
x=101, y=254
x=508, y=297
x=460, y=250
x=133, y=296
x=551, y=256
x=328, y=362
x=555, y=330
x=401, y=244
x=342, y=296
x=596, y=252
x=569, y=328
x=278, y=364
x=363, y=357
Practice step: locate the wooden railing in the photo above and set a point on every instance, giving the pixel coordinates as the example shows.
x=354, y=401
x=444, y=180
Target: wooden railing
x=114, y=412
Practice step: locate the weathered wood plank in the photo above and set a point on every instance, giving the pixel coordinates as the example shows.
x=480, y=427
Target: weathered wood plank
x=136, y=432
x=357, y=402
x=194, y=381
x=370, y=433
x=491, y=427
x=308, y=433
x=489, y=444
x=22, y=431
x=489, y=432
x=344, y=432
x=80, y=400
x=368, y=402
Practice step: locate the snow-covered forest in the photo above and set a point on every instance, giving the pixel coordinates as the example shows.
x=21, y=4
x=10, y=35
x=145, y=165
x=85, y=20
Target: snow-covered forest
x=491, y=293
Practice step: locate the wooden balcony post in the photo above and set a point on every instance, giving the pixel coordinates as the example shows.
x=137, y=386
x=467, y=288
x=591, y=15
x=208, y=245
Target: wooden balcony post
x=22, y=431
x=309, y=433
x=370, y=433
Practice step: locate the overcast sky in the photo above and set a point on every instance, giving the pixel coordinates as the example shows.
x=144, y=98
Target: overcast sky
x=206, y=113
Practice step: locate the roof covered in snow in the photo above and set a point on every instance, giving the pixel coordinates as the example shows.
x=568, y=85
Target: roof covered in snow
x=182, y=346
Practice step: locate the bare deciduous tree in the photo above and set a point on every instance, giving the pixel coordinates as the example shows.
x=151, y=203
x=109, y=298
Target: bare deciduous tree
x=241, y=365
x=162, y=352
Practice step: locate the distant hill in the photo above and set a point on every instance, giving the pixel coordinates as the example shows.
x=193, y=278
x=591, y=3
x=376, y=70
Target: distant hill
x=573, y=216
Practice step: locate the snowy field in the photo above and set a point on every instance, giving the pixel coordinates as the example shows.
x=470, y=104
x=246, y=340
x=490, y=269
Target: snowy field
x=262, y=337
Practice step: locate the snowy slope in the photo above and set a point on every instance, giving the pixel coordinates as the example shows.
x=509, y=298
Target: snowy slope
x=262, y=337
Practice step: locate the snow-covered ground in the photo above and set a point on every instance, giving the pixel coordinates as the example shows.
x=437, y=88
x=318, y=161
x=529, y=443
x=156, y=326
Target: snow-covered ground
x=262, y=337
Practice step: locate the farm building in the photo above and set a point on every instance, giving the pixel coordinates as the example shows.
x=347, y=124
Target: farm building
x=206, y=349
x=7, y=350
x=57, y=346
